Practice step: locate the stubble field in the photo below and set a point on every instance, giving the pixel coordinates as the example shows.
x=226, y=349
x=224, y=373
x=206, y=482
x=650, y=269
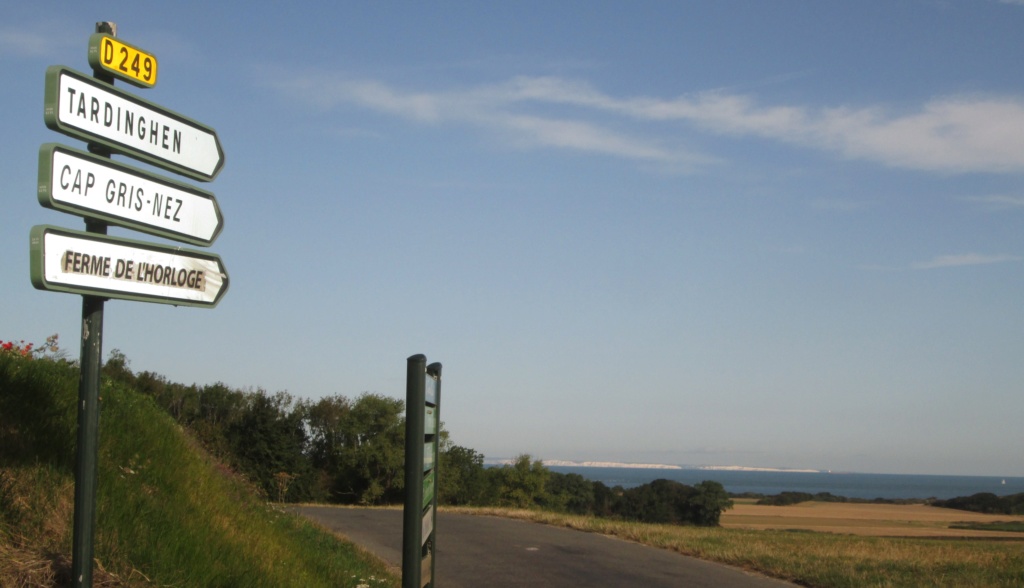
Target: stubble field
x=876, y=520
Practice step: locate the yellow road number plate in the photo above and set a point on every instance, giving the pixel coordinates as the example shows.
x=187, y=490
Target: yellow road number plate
x=128, y=63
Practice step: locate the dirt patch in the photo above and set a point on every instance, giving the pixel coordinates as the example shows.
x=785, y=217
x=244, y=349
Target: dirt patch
x=880, y=520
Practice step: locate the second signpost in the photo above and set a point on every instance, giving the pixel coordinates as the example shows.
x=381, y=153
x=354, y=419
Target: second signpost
x=422, y=437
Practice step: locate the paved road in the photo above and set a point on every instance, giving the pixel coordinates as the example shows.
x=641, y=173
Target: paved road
x=475, y=551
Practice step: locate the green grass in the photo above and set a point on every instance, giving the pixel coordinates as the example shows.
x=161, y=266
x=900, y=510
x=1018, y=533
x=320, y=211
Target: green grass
x=816, y=559
x=167, y=514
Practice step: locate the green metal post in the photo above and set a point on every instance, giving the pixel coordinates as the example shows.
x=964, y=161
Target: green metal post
x=412, y=515
x=91, y=361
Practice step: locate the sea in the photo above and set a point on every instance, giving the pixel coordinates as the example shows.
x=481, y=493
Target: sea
x=850, y=485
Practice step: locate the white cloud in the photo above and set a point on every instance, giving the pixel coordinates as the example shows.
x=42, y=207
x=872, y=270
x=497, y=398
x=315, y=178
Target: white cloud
x=949, y=134
x=943, y=261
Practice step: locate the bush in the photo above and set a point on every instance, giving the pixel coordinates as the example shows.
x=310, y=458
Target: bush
x=33, y=392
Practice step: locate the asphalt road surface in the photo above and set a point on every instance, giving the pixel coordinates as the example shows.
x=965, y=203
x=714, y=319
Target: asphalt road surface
x=492, y=552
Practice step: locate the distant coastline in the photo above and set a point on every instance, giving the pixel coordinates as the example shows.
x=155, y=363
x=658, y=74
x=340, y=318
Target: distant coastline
x=565, y=463
x=749, y=469
x=609, y=464
x=662, y=466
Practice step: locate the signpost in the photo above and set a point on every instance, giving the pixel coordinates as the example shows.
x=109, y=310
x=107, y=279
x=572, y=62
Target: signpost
x=80, y=183
x=100, y=267
x=422, y=426
x=91, y=110
x=86, y=263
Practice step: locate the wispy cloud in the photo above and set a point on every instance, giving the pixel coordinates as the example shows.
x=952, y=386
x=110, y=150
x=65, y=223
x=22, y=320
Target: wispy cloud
x=45, y=40
x=355, y=133
x=493, y=108
x=56, y=38
x=965, y=259
x=837, y=204
x=953, y=134
x=22, y=43
x=998, y=202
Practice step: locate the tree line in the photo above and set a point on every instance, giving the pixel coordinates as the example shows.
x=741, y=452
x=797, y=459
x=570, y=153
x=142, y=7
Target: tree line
x=986, y=502
x=352, y=451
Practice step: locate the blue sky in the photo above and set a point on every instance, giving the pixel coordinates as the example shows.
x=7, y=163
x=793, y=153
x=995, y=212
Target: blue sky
x=775, y=234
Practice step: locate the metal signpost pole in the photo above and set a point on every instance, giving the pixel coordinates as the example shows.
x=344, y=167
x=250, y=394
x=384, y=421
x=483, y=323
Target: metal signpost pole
x=412, y=554
x=88, y=440
x=422, y=461
x=89, y=407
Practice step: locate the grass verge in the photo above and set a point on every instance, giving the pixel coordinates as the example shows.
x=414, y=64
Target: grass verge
x=167, y=514
x=815, y=559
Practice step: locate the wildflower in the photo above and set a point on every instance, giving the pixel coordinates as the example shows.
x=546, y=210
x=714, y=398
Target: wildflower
x=30, y=350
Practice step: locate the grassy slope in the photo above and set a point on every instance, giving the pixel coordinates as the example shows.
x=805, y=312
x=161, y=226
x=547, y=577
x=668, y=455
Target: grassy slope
x=166, y=513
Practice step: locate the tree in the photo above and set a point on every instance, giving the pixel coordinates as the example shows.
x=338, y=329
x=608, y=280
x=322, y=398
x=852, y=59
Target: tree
x=986, y=502
x=519, y=485
x=667, y=501
x=327, y=420
x=571, y=493
x=461, y=479
x=660, y=501
x=371, y=452
x=268, y=439
x=116, y=368
x=707, y=503
x=606, y=499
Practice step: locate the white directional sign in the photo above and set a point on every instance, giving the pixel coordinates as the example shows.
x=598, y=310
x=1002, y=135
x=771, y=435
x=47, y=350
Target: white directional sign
x=75, y=262
x=81, y=183
x=83, y=107
x=428, y=525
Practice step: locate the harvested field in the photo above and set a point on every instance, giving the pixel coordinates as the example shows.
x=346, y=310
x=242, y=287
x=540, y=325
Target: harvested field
x=878, y=520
